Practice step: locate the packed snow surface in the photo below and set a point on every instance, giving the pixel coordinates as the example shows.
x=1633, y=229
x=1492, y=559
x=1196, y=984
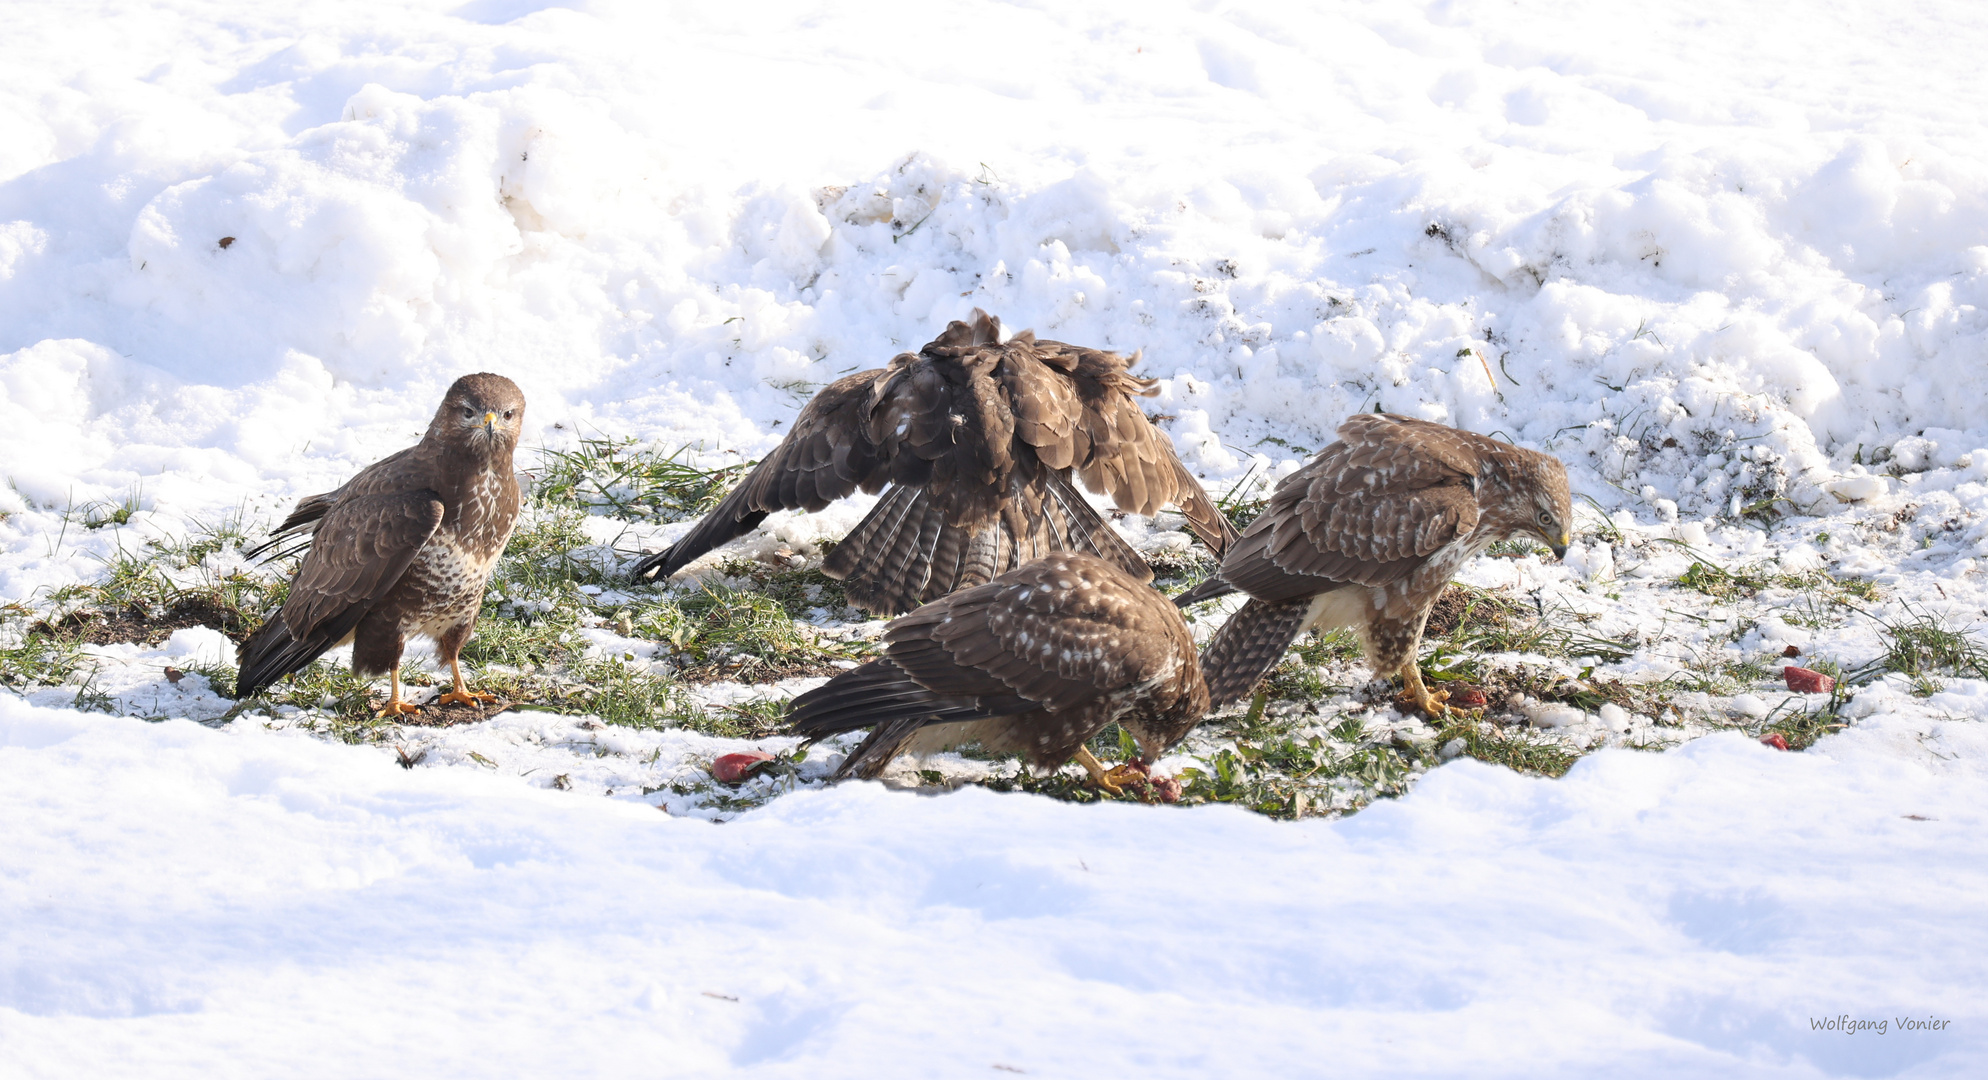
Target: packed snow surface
x=1727, y=261
x=187, y=903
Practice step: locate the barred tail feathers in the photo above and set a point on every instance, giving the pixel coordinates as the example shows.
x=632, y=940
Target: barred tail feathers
x=1250, y=644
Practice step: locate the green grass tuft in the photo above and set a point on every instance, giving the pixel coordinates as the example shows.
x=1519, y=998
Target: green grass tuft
x=621, y=478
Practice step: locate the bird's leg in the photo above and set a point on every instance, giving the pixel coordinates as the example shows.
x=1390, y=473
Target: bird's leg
x=461, y=694
x=1115, y=778
x=1099, y=774
x=395, y=706
x=1418, y=695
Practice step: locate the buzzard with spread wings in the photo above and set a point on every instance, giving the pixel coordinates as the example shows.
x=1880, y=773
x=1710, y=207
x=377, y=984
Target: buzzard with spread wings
x=404, y=547
x=1366, y=535
x=973, y=442
x=1033, y=662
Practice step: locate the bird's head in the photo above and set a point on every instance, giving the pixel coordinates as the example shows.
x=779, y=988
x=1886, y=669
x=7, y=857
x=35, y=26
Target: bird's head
x=1551, y=505
x=481, y=412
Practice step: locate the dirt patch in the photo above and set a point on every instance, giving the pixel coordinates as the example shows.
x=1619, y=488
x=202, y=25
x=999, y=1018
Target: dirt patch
x=454, y=715
x=1463, y=608
x=142, y=625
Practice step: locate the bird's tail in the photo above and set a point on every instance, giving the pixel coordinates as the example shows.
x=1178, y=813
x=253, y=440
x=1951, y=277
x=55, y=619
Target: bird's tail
x=875, y=752
x=877, y=695
x=886, y=561
x=905, y=553
x=271, y=652
x=1249, y=644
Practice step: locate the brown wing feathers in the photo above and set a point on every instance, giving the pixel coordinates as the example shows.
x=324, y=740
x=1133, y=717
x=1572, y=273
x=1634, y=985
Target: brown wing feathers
x=359, y=551
x=827, y=455
x=1367, y=510
x=986, y=430
x=1042, y=652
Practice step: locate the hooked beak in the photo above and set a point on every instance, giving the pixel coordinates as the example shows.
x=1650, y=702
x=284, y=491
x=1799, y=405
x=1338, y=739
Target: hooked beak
x=490, y=423
x=1559, y=546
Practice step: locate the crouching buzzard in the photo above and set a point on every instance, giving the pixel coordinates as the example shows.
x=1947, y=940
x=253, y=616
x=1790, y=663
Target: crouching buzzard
x=1034, y=662
x=976, y=440
x=404, y=547
x=1366, y=535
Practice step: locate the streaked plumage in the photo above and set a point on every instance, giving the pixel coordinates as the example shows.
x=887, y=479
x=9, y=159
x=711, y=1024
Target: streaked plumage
x=1366, y=535
x=977, y=442
x=404, y=547
x=1034, y=662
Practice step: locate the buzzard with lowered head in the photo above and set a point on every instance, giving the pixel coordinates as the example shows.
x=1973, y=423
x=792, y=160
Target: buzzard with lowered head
x=973, y=442
x=1034, y=662
x=405, y=547
x=1366, y=535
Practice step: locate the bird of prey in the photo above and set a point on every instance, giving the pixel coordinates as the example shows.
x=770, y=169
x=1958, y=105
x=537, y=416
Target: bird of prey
x=976, y=440
x=1034, y=662
x=1366, y=535
x=403, y=548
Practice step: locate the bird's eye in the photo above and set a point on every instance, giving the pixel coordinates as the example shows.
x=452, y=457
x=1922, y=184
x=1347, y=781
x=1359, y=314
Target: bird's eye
x=507, y=414
x=1545, y=518
x=469, y=414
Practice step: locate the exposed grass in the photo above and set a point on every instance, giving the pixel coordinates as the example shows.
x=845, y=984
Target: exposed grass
x=1923, y=647
x=166, y=585
x=1176, y=570
x=633, y=696
x=624, y=479
x=798, y=592
x=101, y=512
x=40, y=660
x=1801, y=729
x=1516, y=548
x=550, y=556
x=556, y=587
x=1301, y=675
x=721, y=632
x=1739, y=583
x=1245, y=499
x=1468, y=620
x=1723, y=676
x=1516, y=749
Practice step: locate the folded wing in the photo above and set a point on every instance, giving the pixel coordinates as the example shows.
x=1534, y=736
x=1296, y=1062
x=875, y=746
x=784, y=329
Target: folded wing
x=361, y=548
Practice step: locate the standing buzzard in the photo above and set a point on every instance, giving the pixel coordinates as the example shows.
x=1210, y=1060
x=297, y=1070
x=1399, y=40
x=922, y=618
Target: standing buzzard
x=1366, y=535
x=405, y=547
x=977, y=440
x=1034, y=662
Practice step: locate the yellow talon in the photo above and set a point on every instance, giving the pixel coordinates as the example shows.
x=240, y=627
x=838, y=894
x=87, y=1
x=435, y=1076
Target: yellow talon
x=1099, y=774
x=397, y=707
x=1413, y=692
x=465, y=697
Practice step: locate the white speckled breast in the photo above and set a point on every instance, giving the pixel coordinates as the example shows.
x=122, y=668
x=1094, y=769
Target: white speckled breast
x=449, y=572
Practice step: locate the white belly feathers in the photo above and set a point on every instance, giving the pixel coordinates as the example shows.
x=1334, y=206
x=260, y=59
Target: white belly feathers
x=453, y=578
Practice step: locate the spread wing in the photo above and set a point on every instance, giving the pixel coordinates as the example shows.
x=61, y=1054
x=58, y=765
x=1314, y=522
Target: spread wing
x=943, y=424
x=1367, y=510
x=1086, y=415
x=827, y=455
x=969, y=430
x=360, y=550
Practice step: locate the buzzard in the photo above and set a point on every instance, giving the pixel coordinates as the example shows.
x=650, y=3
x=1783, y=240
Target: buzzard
x=976, y=440
x=1366, y=535
x=1034, y=662
x=404, y=547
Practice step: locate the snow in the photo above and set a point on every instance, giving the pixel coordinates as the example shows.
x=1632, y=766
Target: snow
x=260, y=904
x=1711, y=255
